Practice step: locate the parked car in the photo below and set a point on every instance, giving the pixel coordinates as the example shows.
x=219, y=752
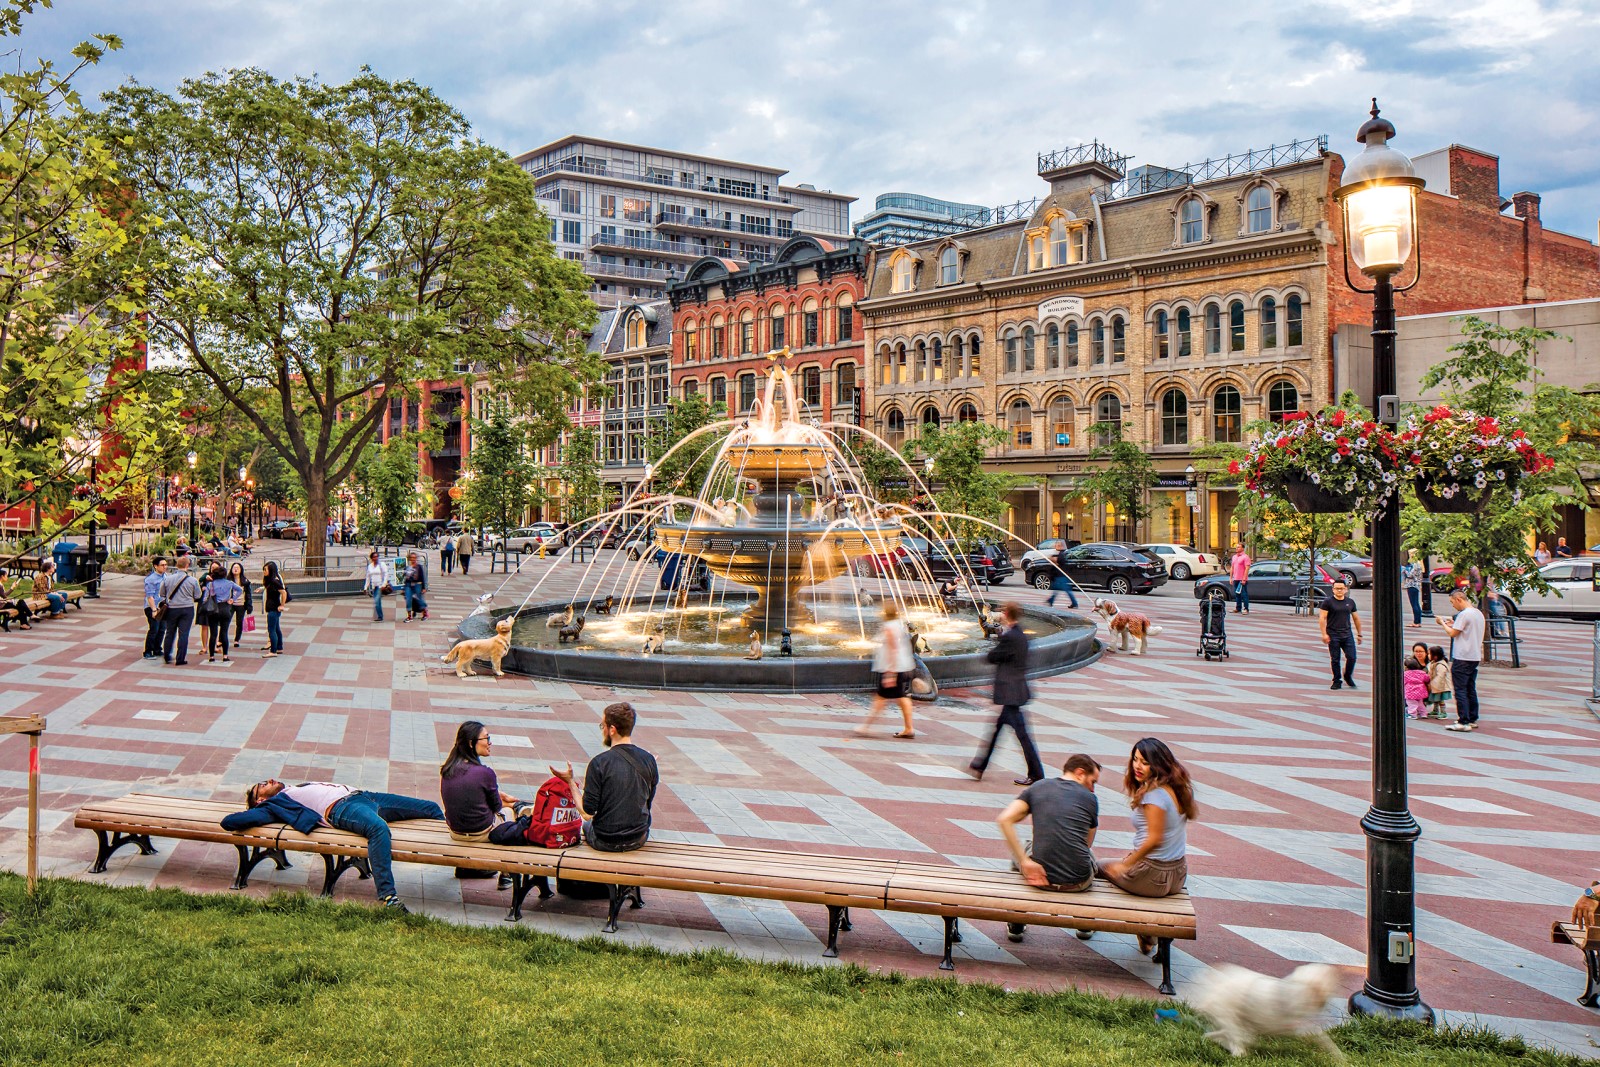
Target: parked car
x=643, y=541
x=1046, y=550
x=527, y=539
x=1355, y=570
x=899, y=562
x=1572, y=591
x=1110, y=565
x=984, y=561
x=293, y=530
x=274, y=529
x=1269, y=581
x=1184, y=562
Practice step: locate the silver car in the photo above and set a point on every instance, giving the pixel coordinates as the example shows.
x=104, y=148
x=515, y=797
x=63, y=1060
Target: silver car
x=1572, y=590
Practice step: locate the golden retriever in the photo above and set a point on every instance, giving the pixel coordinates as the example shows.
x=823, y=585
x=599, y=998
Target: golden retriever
x=492, y=649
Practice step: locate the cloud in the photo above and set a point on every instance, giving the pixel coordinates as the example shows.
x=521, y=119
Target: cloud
x=949, y=97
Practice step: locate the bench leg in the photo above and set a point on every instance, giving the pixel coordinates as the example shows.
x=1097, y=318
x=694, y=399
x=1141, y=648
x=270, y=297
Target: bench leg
x=838, y=919
x=250, y=855
x=520, y=885
x=1164, y=957
x=618, y=894
x=952, y=936
x=109, y=846
x=1591, y=989
x=334, y=866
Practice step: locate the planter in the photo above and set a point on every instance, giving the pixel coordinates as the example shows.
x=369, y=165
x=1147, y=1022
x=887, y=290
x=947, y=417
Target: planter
x=1466, y=500
x=1312, y=499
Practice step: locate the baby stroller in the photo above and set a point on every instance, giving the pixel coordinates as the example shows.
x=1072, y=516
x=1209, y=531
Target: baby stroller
x=1213, y=633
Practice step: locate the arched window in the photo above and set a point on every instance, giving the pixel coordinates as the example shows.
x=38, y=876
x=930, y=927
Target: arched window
x=885, y=366
x=1108, y=411
x=691, y=342
x=844, y=316
x=1052, y=347
x=975, y=356
x=901, y=373
x=1061, y=422
x=1072, y=344
x=844, y=383
x=1191, y=227
x=1185, y=333
x=900, y=281
x=1213, y=330
x=718, y=337
x=691, y=388
x=1163, y=347
x=1282, y=398
x=1174, y=417
x=637, y=328
x=747, y=332
x=930, y=416
x=949, y=266
x=747, y=393
x=1097, y=343
x=811, y=388
x=936, y=361
x=810, y=324
x=958, y=357
x=1269, y=323
x=1019, y=418
x=920, y=364
x=779, y=332
x=1292, y=322
x=1236, y=326
x=1119, y=339
x=894, y=427
x=1010, y=343
x=1226, y=416
x=1027, y=350
x=1058, y=241
x=1258, y=209
x=719, y=391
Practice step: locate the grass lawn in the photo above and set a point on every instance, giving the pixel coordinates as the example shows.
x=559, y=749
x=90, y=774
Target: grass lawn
x=95, y=975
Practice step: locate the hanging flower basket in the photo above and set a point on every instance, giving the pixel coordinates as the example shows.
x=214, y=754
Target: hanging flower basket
x=1460, y=458
x=1331, y=462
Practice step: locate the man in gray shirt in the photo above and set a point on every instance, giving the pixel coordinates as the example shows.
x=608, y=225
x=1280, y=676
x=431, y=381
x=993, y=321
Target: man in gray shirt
x=1066, y=816
x=180, y=591
x=1466, y=653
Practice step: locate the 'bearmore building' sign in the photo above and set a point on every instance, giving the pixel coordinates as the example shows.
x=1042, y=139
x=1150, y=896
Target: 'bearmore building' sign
x=1060, y=305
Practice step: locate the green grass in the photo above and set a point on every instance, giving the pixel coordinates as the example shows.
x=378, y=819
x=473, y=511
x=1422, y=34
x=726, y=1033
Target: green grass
x=95, y=975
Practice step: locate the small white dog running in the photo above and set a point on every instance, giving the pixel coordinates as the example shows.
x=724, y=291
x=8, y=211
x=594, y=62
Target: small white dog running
x=1247, y=1006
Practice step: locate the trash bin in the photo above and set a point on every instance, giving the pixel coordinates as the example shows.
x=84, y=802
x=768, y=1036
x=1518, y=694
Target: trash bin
x=84, y=567
x=66, y=566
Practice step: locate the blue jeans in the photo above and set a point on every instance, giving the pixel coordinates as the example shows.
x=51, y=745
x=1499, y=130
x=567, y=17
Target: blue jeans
x=1241, y=596
x=1414, y=594
x=1345, y=644
x=415, y=605
x=274, y=631
x=1061, y=584
x=1464, y=678
x=58, y=602
x=377, y=604
x=175, y=627
x=369, y=814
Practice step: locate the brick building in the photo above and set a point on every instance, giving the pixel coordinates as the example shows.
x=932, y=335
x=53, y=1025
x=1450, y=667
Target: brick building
x=728, y=314
x=1182, y=303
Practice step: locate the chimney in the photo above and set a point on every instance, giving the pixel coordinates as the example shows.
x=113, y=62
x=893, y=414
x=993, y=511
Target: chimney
x=1475, y=177
x=1525, y=205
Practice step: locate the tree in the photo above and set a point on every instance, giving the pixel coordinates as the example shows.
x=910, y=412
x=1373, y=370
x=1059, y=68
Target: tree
x=1125, y=475
x=883, y=472
x=962, y=487
x=581, y=487
x=387, y=495
x=335, y=244
x=503, y=482
x=685, y=471
x=1492, y=372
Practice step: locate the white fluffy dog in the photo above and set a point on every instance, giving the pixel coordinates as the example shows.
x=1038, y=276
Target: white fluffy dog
x=1247, y=1006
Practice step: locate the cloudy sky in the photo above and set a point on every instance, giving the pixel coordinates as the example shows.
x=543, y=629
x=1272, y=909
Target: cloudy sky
x=951, y=99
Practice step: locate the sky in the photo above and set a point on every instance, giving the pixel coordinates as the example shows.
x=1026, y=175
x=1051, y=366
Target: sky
x=953, y=100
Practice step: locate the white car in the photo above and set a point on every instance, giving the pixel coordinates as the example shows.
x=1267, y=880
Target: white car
x=1184, y=562
x=1572, y=590
x=637, y=546
x=1044, y=550
x=529, y=538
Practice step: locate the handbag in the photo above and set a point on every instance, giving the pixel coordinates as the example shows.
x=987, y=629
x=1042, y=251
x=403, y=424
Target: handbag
x=208, y=602
x=249, y=624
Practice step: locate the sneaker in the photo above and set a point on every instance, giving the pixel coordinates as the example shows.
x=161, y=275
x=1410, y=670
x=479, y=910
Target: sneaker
x=1459, y=727
x=1336, y=685
x=1472, y=725
x=1349, y=683
x=396, y=904
x=1014, y=931
x=1084, y=935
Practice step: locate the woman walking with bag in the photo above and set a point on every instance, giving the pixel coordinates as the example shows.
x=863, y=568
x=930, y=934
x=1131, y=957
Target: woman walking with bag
x=276, y=596
x=217, y=601
x=377, y=584
x=244, y=610
x=415, y=583
x=893, y=666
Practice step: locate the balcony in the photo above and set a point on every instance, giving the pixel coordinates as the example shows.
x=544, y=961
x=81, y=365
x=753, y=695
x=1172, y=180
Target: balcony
x=594, y=267
x=620, y=170
x=617, y=242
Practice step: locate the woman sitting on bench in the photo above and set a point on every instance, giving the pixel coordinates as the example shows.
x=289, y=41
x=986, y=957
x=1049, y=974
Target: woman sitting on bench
x=10, y=599
x=44, y=583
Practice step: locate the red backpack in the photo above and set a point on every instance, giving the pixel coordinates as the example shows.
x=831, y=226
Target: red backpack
x=555, y=821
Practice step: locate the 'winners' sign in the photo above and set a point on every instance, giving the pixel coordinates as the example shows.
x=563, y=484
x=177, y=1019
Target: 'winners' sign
x=1060, y=305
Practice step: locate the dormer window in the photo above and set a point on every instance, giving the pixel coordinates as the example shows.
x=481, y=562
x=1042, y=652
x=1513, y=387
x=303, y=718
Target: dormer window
x=637, y=329
x=1191, y=222
x=949, y=266
x=902, y=274
x=1060, y=242
x=1259, y=207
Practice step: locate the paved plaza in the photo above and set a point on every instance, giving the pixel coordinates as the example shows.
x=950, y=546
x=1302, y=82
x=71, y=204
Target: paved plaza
x=1509, y=813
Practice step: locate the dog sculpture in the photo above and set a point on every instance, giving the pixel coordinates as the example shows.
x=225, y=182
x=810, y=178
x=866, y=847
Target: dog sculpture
x=560, y=619
x=992, y=627
x=1126, y=624
x=570, y=633
x=755, y=646
x=655, y=643
x=1247, y=1006
x=604, y=607
x=919, y=644
x=492, y=649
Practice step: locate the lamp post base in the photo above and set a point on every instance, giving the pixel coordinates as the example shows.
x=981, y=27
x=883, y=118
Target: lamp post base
x=1373, y=1002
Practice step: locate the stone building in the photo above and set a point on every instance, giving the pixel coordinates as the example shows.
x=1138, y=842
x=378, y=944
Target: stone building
x=1181, y=303
x=728, y=314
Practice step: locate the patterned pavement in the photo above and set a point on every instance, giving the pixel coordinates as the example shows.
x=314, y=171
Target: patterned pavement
x=1281, y=763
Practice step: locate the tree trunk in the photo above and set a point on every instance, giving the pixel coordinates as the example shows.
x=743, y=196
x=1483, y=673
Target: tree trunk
x=316, y=544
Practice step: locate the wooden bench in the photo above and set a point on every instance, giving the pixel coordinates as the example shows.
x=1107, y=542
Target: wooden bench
x=1585, y=939
x=39, y=605
x=837, y=883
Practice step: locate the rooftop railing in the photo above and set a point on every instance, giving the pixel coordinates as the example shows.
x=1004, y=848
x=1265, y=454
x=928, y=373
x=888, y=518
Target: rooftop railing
x=1091, y=152
x=1158, y=179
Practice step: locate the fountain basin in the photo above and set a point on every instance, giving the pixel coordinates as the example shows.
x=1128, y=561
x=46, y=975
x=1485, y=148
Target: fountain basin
x=1060, y=642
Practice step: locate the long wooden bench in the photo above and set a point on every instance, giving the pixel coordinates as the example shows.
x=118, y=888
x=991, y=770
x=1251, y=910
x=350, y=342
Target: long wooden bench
x=39, y=606
x=837, y=883
x=1585, y=939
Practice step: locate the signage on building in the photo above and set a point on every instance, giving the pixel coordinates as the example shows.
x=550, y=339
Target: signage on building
x=1172, y=481
x=1192, y=498
x=1068, y=467
x=1060, y=305
x=1063, y=440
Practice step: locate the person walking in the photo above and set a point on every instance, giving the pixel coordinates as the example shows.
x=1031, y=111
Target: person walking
x=1466, y=655
x=238, y=577
x=893, y=665
x=1341, y=632
x=1061, y=583
x=180, y=591
x=447, y=556
x=1162, y=798
x=222, y=595
x=464, y=547
x=1010, y=657
x=273, y=592
x=152, y=603
x=1411, y=582
x=1239, y=572
x=415, y=582
x=377, y=584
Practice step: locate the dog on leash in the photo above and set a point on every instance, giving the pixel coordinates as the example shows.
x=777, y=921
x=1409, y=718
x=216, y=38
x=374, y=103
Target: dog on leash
x=570, y=633
x=492, y=649
x=1126, y=624
x=560, y=619
x=1246, y=1006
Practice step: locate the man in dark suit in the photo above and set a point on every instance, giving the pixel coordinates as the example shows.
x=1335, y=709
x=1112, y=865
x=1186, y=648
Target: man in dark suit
x=1010, y=659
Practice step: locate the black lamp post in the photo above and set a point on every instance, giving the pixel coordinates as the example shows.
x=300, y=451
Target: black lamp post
x=193, y=459
x=1378, y=196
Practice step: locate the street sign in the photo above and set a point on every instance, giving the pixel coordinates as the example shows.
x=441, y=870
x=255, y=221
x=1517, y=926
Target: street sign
x=1192, y=498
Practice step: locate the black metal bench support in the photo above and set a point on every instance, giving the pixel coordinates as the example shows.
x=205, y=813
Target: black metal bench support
x=109, y=846
x=619, y=893
x=1164, y=957
x=334, y=866
x=250, y=855
x=1591, y=988
x=952, y=937
x=838, y=919
x=520, y=885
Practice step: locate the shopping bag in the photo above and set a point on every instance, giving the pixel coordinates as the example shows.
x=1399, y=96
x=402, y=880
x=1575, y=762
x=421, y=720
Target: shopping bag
x=249, y=624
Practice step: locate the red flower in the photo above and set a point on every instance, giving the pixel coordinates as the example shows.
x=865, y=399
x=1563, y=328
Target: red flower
x=1295, y=416
x=1337, y=420
x=1440, y=412
x=1488, y=426
x=1368, y=427
x=1233, y=468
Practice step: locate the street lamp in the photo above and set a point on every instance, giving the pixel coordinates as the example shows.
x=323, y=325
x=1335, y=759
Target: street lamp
x=192, y=459
x=1378, y=199
x=1192, y=501
x=91, y=588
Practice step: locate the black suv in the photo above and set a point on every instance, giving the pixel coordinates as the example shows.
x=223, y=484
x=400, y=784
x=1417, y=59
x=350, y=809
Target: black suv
x=1117, y=568
x=984, y=561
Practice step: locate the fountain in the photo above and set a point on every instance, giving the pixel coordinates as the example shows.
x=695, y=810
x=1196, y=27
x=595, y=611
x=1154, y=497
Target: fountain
x=783, y=520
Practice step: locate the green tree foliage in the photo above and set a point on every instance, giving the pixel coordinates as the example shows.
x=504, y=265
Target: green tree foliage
x=1124, y=474
x=1493, y=371
x=335, y=244
x=883, y=472
x=960, y=483
x=583, y=493
x=386, y=493
x=69, y=297
x=685, y=471
x=503, y=482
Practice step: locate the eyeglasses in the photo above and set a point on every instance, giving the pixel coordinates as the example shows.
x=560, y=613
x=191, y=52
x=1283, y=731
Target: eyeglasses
x=485, y=739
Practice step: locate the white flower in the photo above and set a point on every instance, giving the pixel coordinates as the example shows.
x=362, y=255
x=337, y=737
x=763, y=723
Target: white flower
x=1316, y=479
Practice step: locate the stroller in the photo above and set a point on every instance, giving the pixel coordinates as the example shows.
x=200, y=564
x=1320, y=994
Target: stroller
x=1213, y=632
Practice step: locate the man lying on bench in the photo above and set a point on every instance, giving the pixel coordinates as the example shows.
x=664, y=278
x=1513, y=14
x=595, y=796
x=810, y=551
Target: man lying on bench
x=312, y=804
